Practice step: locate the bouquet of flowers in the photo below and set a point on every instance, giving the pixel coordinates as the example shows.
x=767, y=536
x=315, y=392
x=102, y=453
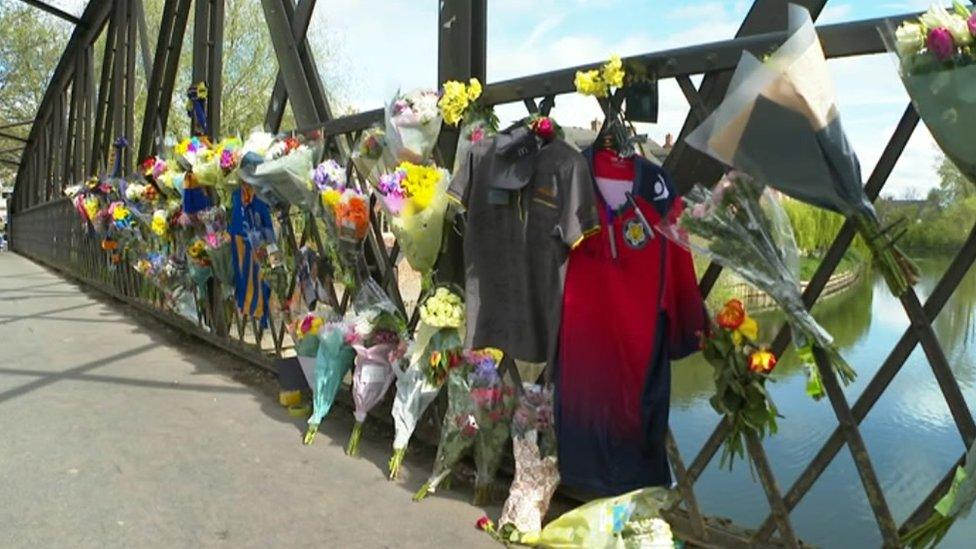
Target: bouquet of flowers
x=628, y=520
x=217, y=242
x=413, y=123
x=153, y=169
x=198, y=264
x=191, y=151
x=305, y=334
x=536, y=469
x=276, y=271
x=380, y=333
x=435, y=350
x=214, y=164
x=415, y=197
x=347, y=211
x=741, y=226
x=282, y=176
x=458, y=430
x=600, y=82
x=938, y=67
x=333, y=360
x=372, y=156
x=459, y=106
x=780, y=124
x=494, y=397
x=741, y=370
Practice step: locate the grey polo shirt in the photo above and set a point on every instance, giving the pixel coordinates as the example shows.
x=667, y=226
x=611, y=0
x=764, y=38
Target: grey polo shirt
x=517, y=243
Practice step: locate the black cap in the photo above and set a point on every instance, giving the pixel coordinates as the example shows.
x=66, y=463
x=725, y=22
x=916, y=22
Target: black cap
x=515, y=153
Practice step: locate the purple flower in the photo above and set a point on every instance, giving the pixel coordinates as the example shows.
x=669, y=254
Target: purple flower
x=940, y=43
x=971, y=23
x=485, y=375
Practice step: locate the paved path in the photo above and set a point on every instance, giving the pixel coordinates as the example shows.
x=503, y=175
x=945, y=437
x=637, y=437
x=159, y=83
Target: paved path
x=116, y=431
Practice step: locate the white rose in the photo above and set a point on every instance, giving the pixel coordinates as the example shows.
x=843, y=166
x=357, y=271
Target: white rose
x=909, y=39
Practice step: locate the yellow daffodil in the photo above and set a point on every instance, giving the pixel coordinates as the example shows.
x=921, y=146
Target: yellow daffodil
x=597, y=82
x=590, y=83
x=613, y=72
x=457, y=99
x=747, y=331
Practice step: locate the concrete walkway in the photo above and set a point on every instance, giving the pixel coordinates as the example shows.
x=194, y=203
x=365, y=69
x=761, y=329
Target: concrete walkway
x=116, y=431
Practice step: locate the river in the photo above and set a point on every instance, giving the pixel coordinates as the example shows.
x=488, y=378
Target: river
x=909, y=433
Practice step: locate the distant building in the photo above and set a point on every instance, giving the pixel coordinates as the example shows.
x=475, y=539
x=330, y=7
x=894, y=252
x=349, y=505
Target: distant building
x=584, y=137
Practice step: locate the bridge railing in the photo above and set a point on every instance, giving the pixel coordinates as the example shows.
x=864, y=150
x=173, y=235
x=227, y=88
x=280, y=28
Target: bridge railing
x=78, y=119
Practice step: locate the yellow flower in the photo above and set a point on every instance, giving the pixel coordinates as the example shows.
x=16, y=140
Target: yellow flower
x=496, y=354
x=590, y=83
x=420, y=183
x=474, y=89
x=159, y=224
x=91, y=207
x=120, y=213
x=182, y=147
x=613, y=72
x=749, y=329
x=598, y=82
x=331, y=197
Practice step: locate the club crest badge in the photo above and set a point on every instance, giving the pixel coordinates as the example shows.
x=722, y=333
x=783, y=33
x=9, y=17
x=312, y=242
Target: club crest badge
x=635, y=234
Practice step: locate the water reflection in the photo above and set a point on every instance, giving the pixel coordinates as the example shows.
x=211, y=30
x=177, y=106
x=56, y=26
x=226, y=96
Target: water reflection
x=910, y=433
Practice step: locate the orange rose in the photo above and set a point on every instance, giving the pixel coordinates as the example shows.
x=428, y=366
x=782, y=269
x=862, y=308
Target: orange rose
x=732, y=315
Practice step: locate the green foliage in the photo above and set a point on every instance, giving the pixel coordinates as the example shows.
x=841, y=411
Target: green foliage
x=942, y=222
x=815, y=229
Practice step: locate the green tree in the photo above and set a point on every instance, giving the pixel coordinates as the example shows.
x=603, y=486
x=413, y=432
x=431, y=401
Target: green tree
x=34, y=41
x=31, y=46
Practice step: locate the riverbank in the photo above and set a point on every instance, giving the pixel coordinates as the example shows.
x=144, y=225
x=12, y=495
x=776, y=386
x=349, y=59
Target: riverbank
x=729, y=286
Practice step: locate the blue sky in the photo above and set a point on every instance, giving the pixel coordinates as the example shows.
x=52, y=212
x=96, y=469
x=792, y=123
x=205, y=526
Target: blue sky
x=382, y=45
x=386, y=44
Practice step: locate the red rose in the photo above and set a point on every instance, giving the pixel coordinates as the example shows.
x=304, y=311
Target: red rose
x=485, y=524
x=544, y=128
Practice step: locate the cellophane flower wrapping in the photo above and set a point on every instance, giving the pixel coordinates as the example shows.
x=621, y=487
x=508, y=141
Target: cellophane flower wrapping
x=346, y=212
x=333, y=360
x=416, y=201
x=939, y=73
x=413, y=123
x=379, y=328
x=440, y=330
x=285, y=174
x=305, y=334
x=494, y=396
x=781, y=124
x=458, y=430
x=536, y=466
x=620, y=522
x=372, y=156
x=741, y=226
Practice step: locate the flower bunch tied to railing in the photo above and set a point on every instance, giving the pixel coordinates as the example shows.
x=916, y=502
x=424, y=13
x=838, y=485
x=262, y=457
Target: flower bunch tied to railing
x=460, y=107
x=741, y=367
x=741, y=226
x=937, y=64
x=433, y=353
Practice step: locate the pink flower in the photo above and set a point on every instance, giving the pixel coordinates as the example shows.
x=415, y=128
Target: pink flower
x=212, y=240
x=940, y=43
x=484, y=524
x=307, y=324
x=477, y=134
x=699, y=211
x=226, y=160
